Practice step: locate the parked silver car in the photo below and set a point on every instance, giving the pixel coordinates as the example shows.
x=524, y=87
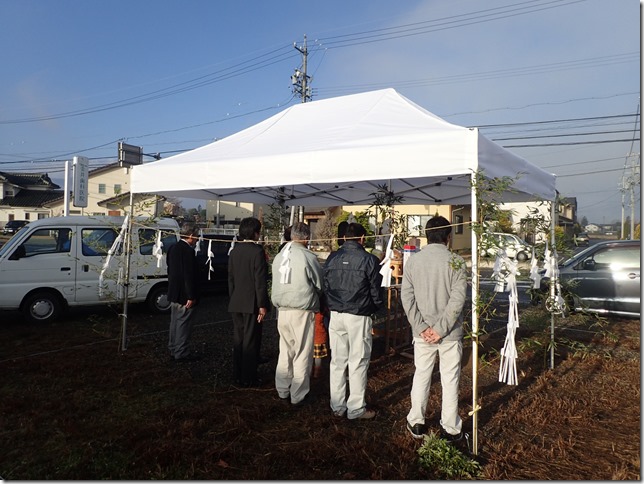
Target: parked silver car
x=604, y=278
x=515, y=247
x=581, y=239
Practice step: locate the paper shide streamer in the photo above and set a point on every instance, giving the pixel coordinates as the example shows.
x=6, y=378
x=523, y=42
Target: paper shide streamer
x=505, y=273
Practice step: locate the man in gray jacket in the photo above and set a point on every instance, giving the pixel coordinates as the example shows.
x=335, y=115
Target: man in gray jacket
x=297, y=285
x=433, y=294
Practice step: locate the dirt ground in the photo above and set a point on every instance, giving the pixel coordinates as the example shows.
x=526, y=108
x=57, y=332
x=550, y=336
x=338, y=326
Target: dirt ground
x=74, y=406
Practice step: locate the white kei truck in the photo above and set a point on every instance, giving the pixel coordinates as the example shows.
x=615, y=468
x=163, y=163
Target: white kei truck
x=55, y=263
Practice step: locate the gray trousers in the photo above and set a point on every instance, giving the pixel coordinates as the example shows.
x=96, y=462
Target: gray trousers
x=180, y=330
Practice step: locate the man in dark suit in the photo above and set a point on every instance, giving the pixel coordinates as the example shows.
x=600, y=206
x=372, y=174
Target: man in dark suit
x=182, y=292
x=248, y=305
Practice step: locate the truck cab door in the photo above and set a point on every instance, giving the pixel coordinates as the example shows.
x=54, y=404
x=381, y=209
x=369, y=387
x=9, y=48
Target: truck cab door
x=93, y=245
x=46, y=259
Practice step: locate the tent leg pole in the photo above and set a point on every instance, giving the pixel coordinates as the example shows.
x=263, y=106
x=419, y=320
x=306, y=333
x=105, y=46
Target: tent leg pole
x=126, y=283
x=475, y=320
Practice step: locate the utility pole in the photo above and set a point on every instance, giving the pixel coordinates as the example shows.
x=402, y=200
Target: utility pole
x=629, y=183
x=634, y=180
x=622, y=189
x=301, y=86
x=300, y=80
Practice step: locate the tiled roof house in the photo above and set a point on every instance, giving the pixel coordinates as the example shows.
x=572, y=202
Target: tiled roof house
x=34, y=196
x=24, y=196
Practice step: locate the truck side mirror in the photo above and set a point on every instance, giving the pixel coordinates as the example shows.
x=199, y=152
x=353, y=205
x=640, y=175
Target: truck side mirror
x=19, y=253
x=589, y=264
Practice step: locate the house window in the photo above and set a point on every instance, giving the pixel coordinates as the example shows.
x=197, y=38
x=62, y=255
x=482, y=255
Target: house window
x=26, y=215
x=8, y=193
x=101, y=188
x=117, y=188
x=458, y=224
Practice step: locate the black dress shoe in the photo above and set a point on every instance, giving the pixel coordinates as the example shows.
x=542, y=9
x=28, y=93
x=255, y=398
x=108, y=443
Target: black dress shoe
x=253, y=384
x=305, y=401
x=451, y=438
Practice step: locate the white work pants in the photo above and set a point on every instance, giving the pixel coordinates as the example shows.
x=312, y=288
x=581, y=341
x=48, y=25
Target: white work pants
x=450, y=354
x=350, y=341
x=293, y=371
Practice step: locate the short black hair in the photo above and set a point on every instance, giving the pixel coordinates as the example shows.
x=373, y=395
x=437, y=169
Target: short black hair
x=437, y=230
x=342, y=231
x=248, y=227
x=355, y=231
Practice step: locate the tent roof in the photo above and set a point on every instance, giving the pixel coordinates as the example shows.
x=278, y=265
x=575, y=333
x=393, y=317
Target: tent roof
x=338, y=151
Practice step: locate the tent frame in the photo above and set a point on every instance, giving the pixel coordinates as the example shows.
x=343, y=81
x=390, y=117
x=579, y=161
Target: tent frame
x=324, y=151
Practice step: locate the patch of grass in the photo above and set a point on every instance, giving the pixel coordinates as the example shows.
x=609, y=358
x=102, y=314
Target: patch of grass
x=445, y=461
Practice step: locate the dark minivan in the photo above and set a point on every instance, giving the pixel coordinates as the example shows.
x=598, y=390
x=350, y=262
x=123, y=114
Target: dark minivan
x=12, y=226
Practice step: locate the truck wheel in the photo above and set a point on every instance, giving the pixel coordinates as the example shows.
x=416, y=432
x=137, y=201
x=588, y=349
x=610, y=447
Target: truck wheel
x=157, y=299
x=42, y=307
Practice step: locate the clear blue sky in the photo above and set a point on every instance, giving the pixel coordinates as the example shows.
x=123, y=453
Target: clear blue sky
x=80, y=75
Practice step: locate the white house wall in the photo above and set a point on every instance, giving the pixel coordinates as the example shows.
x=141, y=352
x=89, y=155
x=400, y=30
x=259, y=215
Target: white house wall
x=110, y=178
x=524, y=210
x=228, y=210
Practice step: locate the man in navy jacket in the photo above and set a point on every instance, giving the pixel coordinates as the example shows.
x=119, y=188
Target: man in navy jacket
x=352, y=284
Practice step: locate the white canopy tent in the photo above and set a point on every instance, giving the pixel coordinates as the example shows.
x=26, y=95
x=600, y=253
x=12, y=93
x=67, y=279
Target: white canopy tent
x=337, y=152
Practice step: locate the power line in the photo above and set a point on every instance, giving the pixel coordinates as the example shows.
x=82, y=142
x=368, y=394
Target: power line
x=72, y=152
x=589, y=173
x=236, y=70
x=489, y=75
x=277, y=55
x=585, y=162
x=564, y=120
x=83, y=150
x=572, y=143
x=446, y=23
x=592, y=133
